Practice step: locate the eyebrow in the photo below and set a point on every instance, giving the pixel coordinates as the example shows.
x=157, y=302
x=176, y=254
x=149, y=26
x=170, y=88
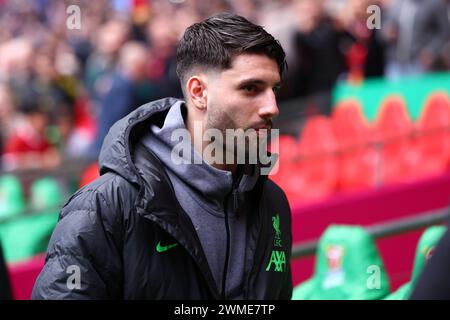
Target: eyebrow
x=256, y=81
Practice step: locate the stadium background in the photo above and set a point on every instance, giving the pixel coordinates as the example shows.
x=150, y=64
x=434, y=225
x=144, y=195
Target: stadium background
x=364, y=118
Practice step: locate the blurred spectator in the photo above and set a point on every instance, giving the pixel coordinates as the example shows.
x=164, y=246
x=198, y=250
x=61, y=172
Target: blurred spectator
x=162, y=35
x=15, y=60
x=28, y=146
x=122, y=95
x=76, y=129
x=280, y=20
x=445, y=54
x=320, y=48
x=416, y=32
x=100, y=63
x=6, y=114
x=366, y=55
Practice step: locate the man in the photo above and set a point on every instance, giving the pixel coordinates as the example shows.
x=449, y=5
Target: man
x=154, y=228
x=122, y=95
x=415, y=32
x=433, y=284
x=28, y=146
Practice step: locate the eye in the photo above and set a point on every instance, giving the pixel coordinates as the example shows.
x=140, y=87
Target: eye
x=276, y=90
x=250, y=88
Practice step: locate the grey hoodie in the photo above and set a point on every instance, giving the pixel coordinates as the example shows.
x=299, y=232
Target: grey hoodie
x=205, y=192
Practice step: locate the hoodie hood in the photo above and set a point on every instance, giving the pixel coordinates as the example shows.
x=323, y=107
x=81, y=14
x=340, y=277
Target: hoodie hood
x=123, y=154
x=116, y=153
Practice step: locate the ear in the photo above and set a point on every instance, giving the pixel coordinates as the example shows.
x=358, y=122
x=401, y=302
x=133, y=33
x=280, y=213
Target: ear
x=196, y=90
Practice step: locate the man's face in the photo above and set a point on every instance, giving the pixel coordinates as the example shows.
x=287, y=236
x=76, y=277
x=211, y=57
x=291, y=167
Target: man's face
x=39, y=121
x=243, y=97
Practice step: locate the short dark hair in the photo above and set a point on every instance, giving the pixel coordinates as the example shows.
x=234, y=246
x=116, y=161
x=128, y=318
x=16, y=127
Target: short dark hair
x=214, y=42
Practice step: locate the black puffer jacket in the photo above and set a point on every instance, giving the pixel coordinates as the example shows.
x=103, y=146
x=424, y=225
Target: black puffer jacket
x=117, y=232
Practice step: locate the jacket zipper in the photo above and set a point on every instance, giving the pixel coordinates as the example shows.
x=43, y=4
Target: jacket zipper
x=258, y=250
x=227, y=251
x=227, y=228
x=211, y=284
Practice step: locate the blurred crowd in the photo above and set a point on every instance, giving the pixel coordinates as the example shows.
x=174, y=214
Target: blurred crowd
x=61, y=88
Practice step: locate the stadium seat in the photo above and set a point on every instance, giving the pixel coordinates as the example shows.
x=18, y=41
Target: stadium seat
x=433, y=128
x=348, y=123
x=314, y=175
x=424, y=250
x=394, y=129
x=91, y=173
x=358, y=162
x=288, y=152
x=347, y=267
x=11, y=196
x=28, y=235
x=46, y=195
x=287, y=148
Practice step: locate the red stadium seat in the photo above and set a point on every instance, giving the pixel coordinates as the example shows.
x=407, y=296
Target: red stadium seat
x=433, y=128
x=358, y=162
x=395, y=130
x=314, y=176
x=348, y=123
x=288, y=152
x=287, y=148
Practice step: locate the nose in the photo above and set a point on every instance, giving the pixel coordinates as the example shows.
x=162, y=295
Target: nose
x=269, y=107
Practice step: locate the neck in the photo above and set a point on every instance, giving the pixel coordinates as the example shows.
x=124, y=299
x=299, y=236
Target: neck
x=226, y=167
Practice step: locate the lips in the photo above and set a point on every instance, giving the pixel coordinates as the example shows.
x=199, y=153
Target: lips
x=266, y=126
x=258, y=130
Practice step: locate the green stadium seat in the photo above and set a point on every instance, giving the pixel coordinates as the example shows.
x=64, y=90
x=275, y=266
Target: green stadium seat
x=347, y=267
x=46, y=194
x=28, y=235
x=424, y=250
x=11, y=196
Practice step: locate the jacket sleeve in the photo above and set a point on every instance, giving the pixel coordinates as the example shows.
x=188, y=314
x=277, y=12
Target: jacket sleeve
x=286, y=293
x=288, y=286
x=84, y=254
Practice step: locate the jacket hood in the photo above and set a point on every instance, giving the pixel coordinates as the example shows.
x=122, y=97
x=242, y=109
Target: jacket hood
x=116, y=153
x=123, y=154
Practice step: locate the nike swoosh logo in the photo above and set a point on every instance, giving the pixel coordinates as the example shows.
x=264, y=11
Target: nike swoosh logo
x=161, y=248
